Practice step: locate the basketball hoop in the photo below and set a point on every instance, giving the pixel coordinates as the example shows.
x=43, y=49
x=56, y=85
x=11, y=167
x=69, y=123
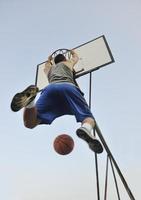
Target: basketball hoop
x=65, y=52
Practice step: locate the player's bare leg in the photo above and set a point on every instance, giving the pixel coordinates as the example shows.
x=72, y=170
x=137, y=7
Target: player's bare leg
x=25, y=99
x=90, y=121
x=85, y=133
x=30, y=117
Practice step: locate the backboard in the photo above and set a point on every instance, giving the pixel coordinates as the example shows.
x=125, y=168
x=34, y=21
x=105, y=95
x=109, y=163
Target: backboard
x=92, y=56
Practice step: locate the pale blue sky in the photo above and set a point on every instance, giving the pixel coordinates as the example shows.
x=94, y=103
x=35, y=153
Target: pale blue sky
x=29, y=32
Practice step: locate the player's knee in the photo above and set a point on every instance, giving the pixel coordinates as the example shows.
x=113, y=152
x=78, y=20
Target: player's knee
x=29, y=125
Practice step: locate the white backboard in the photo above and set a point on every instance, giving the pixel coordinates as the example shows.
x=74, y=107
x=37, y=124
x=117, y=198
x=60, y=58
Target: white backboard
x=92, y=56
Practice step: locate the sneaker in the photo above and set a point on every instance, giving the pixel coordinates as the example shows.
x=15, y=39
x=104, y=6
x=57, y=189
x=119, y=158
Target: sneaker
x=23, y=98
x=93, y=143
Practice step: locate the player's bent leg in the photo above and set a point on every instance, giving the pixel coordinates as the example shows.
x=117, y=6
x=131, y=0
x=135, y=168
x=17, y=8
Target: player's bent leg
x=85, y=133
x=23, y=98
x=90, y=121
x=30, y=118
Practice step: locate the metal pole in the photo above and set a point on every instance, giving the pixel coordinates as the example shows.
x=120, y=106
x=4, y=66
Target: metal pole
x=106, y=178
x=114, y=175
x=96, y=160
x=114, y=162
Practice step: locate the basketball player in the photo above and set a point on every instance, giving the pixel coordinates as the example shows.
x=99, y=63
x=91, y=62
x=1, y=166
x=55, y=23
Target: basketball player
x=61, y=97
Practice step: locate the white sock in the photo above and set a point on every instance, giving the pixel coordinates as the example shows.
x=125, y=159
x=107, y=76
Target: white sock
x=87, y=126
x=31, y=104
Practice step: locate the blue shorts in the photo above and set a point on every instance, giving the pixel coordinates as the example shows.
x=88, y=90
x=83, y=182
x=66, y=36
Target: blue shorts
x=59, y=99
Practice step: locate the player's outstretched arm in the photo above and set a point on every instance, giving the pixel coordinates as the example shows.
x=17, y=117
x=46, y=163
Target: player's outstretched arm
x=48, y=65
x=75, y=57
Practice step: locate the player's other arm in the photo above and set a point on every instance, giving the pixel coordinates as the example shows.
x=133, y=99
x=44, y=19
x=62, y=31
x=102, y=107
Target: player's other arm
x=48, y=65
x=74, y=58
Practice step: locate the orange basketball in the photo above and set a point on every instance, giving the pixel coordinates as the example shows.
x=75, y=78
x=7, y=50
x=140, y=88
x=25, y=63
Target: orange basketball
x=63, y=144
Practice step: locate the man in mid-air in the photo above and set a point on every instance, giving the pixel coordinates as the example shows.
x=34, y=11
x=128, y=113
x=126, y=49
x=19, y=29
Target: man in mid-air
x=61, y=97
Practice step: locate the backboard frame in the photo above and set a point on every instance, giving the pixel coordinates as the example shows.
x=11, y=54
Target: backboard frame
x=81, y=73
x=98, y=67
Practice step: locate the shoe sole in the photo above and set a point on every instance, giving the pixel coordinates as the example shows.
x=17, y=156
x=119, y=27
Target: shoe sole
x=22, y=99
x=94, y=144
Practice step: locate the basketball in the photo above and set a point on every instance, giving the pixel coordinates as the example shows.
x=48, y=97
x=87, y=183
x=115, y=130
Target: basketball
x=63, y=144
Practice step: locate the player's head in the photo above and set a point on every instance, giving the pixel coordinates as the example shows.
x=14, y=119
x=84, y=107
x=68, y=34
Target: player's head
x=59, y=58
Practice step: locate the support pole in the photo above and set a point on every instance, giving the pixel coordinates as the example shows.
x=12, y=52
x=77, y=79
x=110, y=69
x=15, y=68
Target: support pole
x=106, y=179
x=114, y=162
x=96, y=160
x=109, y=154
